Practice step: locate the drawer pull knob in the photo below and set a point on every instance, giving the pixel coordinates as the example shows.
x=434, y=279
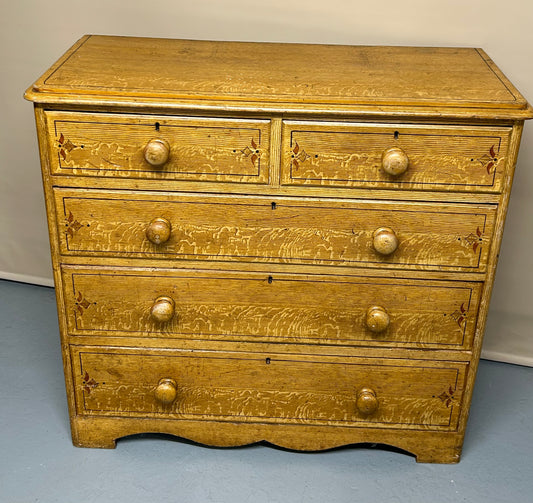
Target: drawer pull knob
x=158, y=231
x=166, y=391
x=394, y=161
x=385, y=241
x=367, y=402
x=163, y=309
x=157, y=152
x=377, y=319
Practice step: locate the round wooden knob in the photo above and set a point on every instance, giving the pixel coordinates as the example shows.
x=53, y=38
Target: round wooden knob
x=377, y=319
x=157, y=152
x=166, y=391
x=394, y=161
x=366, y=402
x=385, y=241
x=162, y=309
x=158, y=231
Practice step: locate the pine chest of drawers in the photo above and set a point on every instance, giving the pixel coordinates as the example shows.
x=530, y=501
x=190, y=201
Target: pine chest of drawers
x=289, y=243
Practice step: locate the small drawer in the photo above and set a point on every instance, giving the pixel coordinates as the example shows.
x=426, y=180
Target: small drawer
x=255, y=307
x=268, y=388
x=159, y=147
x=386, y=234
x=443, y=158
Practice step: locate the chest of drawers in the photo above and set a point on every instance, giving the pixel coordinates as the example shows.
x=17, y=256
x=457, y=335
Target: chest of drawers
x=289, y=243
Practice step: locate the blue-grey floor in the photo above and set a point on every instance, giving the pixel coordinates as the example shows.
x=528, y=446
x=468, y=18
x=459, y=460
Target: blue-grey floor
x=39, y=464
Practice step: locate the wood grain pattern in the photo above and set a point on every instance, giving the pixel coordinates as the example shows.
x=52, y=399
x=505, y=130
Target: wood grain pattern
x=54, y=248
x=204, y=149
x=438, y=237
x=289, y=73
x=226, y=306
x=438, y=446
x=213, y=210
x=441, y=158
x=488, y=286
x=269, y=388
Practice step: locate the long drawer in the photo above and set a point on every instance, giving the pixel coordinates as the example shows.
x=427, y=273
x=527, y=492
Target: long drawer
x=255, y=307
x=432, y=236
x=268, y=388
x=442, y=158
x=185, y=148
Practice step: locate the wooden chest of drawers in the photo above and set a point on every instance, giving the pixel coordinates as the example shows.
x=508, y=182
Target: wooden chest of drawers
x=290, y=243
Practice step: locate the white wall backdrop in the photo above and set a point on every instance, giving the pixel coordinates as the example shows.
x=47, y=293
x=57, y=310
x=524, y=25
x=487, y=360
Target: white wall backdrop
x=34, y=33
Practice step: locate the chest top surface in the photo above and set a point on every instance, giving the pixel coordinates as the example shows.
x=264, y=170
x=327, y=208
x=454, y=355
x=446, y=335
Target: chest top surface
x=327, y=78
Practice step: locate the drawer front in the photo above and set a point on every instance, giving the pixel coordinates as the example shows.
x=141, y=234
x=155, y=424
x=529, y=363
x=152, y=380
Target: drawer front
x=439, y=158
x=113, y=145
x=254, y=307
x=281, y=230
x=271, y=388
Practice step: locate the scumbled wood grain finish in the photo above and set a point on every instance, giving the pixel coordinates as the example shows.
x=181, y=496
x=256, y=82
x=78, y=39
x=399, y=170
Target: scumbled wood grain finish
x=103, y=432
x=431, y=236
x=274, y=242
x=139, y=72
x=251, y=307
x=112, y=145
x=350, y=155
x=269, y=388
